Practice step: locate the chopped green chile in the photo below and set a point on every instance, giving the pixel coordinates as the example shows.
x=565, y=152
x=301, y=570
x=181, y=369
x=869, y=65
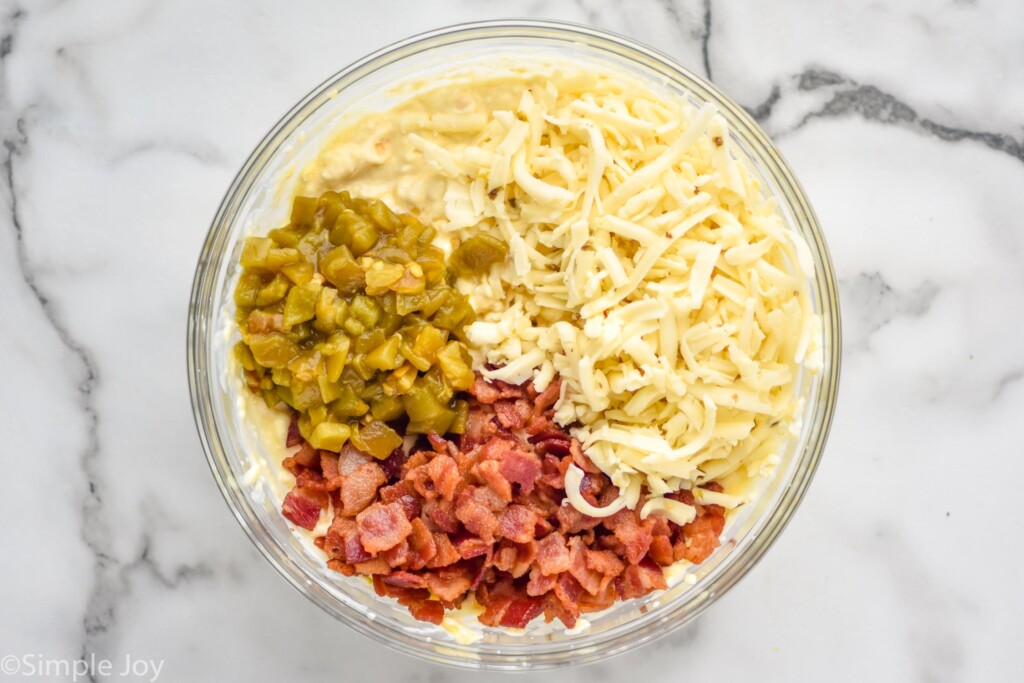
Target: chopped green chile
x=476, y=255
x=376, y=438
x=348, y=315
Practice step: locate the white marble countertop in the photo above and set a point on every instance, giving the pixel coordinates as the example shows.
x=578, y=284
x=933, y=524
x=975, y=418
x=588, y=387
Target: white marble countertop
x=122, y=124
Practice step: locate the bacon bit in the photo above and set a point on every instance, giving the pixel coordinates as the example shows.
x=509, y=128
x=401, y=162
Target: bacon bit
x=484, y=391
x=604, y=562
x=513, y=414
x=438, y=442
x=359, y=487
x=547, y=398
x=604, y=599
x=639, y=580
x=382, y=526
x=402, y=494
x=422, y=546
x=489, y=472
x=376, y=565
x=446, y=552
x=350, y=458
x=553, y=554
x=522, y=469
x=549, y=434
x=397, y=556
x=392, y=465
x=430, y=611
x=306, y=456
x=311, y=480
x=581, y=460
x=572, y=521
x=405, y=580
x=477, y=508
x=480, y=426
x=449, y=584
x=485, y=574
x=701, y=537
x=341, y=567
x=635, y=539
x=540, y=424
x=661, y=550
x=337, y=537
x=329, y=465
x=294, y=437
x=556, y=447
x=526, y=553
x=468, y=546
x=489, y=392
x=518, y=523
x=567, y=591
x=354, y=551
x=540, y=583
x=443, y=517
x=588, y=578
x=504, y=559
x=512, y=612
x=444, y=473
x=302, y=507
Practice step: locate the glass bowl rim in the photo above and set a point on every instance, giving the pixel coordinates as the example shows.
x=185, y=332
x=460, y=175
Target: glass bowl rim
x=586, y=648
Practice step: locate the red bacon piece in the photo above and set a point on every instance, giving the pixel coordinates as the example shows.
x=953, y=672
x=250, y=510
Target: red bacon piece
x=405, y=580
x=478, y=508
x=547, y=398
x=294, y=437
x=490, y=472
x=302, y=507
x=521, y=468
x=359, y=487
x=382, y=527
x=513, y=414
x=392, y=465
x=449, y=584
x=518, y=523
x=553, y=554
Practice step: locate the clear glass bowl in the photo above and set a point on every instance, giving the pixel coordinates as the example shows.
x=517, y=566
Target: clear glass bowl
x=256, y=202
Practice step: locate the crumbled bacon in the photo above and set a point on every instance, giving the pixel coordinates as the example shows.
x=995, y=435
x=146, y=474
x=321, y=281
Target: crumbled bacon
x=301, y=508
x=487, y=392
x=553, y=554
x=518, y=523
x=382, y=526
x=484, y=513
x=392, y=465
x=547, y=398
x=445, y=475
x=402, y=494
x=478, y=508
x=490, y=472
x=513, y=414
x=294, y=437
x=520, y=467
x=446, y=553
x=359, y=487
